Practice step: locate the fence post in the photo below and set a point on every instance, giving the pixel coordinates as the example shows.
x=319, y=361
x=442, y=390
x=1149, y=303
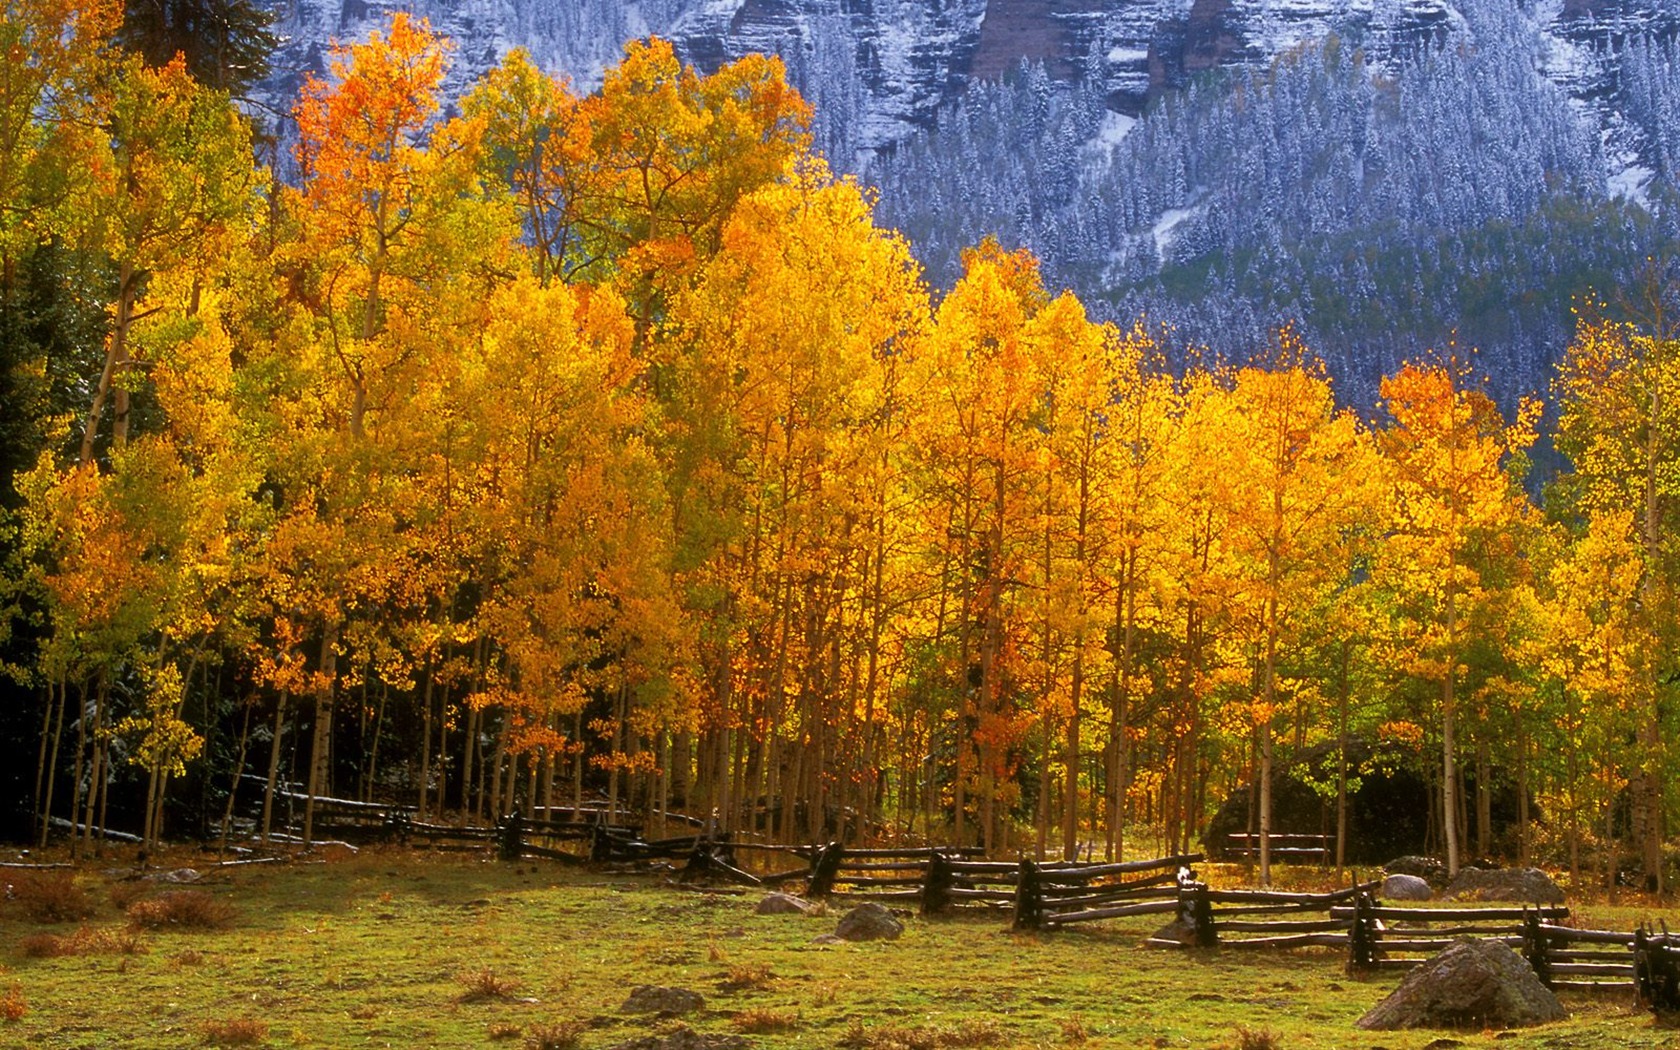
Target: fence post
x=825, y=870
x=1535, y=946
x=396, y=827
x=510, y=837
x=600, y=844
x=1656, y=971
x=1029, y=898
x=936, y=885
x=1201, y=916
x=1362, y=937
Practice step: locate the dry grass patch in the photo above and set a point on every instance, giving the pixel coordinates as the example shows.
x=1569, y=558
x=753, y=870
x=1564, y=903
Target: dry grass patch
x=85, y=941
x=235, y=1031
x=759, y=1022
x=747, y=977
x=182, y=909
x=1256, y=1039
x=1073, y=1029
x=486, y=985
x=967, y=1033
x=48, y=896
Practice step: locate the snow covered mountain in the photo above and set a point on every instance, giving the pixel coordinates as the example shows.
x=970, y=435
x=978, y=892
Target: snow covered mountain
x=1388, y=174
x=880, y=69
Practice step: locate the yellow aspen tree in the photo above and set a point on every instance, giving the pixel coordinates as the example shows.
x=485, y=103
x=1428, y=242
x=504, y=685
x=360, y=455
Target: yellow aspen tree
x=1297, y=478
x=178, y=171
x=1618, y=392
x=1448, y=449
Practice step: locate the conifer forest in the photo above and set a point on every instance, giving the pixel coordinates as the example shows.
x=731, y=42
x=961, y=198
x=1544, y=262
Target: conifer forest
x=534, y=444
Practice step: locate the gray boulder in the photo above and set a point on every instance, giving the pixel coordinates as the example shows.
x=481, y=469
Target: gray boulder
x=653, y=999
x=1405, y=888
x=1428, y=869
x=1528, y=885
x=782, y=904
x=1472, y=984
x=869, y=922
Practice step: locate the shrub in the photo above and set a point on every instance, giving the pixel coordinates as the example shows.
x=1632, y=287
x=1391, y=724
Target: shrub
x=84, y=941
x=48, y=896
x=761, y=1021
x=1256, y=1039
x=237, y=1031
x=12, y=1006
x=187, y=909
x=485, y=985
x=748, y=976
x=1073, y=1029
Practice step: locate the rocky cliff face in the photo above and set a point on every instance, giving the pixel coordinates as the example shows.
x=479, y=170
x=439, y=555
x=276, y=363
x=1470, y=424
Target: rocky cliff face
x=877, y=70
x=881, y=66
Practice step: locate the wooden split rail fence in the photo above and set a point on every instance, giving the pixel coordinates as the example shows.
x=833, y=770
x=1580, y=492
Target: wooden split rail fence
x=1054, y=895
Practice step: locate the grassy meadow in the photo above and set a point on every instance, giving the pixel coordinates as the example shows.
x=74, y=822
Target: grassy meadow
x=399, y=949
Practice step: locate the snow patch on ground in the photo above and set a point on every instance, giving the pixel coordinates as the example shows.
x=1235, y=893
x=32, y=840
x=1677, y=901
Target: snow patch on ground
x=1099, y=151
x=1630, y=184
x=1169, y=222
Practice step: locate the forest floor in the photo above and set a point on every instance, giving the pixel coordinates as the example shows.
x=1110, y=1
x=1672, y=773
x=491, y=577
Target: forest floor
x=400, y=949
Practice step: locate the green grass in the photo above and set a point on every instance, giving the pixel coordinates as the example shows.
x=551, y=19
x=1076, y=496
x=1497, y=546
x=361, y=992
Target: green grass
x=404, y=950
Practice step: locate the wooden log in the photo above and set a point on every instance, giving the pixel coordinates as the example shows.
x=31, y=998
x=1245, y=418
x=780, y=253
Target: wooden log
x=1289, y=940
x=1284, y=926
x=1573, y=936
x=1432, y=944
x=1389, y=913
x=1595, y=969
x=1093, y=914
x=964, y=867
x=776, y=878
x=1268, y=909
x=1092, y=900
x=1006, y=896
x=884, y=880
x=1166, y=879
x=1496, y=930
x=849, y=863
x=1591, y=986
x=1301, y=899
x=919, y=851
x=839, y=899
x=544, y=852
x=1565, y=955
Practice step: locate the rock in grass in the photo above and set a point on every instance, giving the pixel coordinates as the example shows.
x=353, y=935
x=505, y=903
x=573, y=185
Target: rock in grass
x=653, y=999
x=1428, y=869
x=1472, y=984
x=1505, y=884
x=782, y=904
x=869, y=922
x=1405, y=888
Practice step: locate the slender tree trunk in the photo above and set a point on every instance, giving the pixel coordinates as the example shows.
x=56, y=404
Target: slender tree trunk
x=1342, y=763
x=273, y=765
x=116, y=363
x=238, y=770
x=52, y=760
x=320, y=769
x=425, y=742
x=1484, y=801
